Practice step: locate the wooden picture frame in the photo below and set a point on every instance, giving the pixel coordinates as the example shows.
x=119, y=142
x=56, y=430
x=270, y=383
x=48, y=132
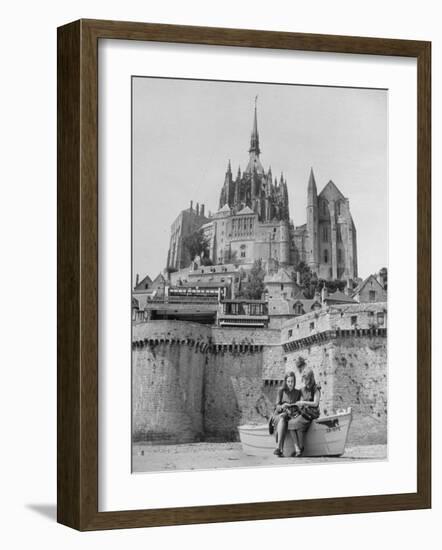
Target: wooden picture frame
x=77, y=224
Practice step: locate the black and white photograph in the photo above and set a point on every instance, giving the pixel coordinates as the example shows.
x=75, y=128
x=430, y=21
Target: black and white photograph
x=225, y=219
x=259, y=274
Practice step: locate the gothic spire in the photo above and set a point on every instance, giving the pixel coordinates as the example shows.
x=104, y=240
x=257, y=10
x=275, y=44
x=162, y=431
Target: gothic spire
x=312, y=182
x=312, y=192
x=254, y=138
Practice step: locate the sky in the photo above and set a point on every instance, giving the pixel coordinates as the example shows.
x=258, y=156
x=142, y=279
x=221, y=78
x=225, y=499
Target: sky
x=186, y=131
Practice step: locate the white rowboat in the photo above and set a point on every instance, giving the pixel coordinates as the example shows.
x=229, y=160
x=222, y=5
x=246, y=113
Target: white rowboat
x=326, y=436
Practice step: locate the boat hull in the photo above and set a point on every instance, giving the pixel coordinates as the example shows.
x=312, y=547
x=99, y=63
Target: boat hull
x=326, y=436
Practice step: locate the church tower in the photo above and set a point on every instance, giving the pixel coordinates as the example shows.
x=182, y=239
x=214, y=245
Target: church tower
x=254, y=150
x=312, y=224
x=227, y=192
x=254, y=188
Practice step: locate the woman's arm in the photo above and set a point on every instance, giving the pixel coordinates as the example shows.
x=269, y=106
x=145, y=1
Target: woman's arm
x=314, y=403
x=279, y=398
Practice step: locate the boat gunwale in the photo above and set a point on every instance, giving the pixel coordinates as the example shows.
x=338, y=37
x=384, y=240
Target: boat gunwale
x=257, y=427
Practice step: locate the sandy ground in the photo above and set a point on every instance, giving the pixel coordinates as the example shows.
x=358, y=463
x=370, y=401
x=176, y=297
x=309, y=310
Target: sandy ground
x=208, y=456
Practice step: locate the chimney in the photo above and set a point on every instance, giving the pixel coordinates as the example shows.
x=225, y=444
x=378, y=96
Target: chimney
x=202, y=210
x=197, y=209
x=191, y=205
x=137, y=279
x=348, y=288
x=324, y=293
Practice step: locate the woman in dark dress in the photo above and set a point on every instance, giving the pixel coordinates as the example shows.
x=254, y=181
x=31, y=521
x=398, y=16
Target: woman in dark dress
x=308, y=406
x=285, y=409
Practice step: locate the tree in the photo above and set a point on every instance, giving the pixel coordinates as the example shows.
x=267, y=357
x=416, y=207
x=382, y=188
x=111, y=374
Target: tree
x=205, y=260
x=196, y=244
x=333, y=286
x=254, y=287
x=311, y=284
x=305, y=273
x=309, y=280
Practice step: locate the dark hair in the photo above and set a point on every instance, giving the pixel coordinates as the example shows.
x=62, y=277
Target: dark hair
x=309, y=376
x=290, y=374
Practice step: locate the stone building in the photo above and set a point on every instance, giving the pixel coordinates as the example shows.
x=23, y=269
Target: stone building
x=370, y=290
x=327, y=242
x=253, y=223
x=146, y=289
x=184, y=225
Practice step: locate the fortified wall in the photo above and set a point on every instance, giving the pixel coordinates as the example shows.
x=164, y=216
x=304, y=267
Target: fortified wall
x=194, y=382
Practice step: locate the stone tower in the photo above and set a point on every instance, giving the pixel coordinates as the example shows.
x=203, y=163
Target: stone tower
x=254, y=188
x=312, y=224
x=331, y=249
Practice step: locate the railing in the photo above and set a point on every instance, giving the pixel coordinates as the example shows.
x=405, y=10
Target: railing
x=183, y=299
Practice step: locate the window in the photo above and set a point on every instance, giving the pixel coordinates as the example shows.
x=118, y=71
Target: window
x=282, y=286
x=354, y=320
x=339, y=256
x=338, y=234
x=372, y=295
x=290, y=333
x=312, y=326
x=243, y=254
x=324, y=208
x=338, y=208
x=325, y=234
x=326, y=256
x=381, y=319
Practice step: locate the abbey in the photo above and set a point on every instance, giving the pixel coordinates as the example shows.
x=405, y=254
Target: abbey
x=229, y=351
x=253, y=223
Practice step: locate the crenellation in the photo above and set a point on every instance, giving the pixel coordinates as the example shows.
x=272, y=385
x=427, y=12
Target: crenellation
x=233, y=374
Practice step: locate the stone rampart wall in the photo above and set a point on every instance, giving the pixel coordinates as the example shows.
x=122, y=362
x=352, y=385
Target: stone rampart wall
x=351, y=373
x=193, y=382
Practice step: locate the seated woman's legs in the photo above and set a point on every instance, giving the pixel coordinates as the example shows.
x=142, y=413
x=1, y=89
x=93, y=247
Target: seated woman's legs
x=296, y=442
x=281, y=431
x=300, y=436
